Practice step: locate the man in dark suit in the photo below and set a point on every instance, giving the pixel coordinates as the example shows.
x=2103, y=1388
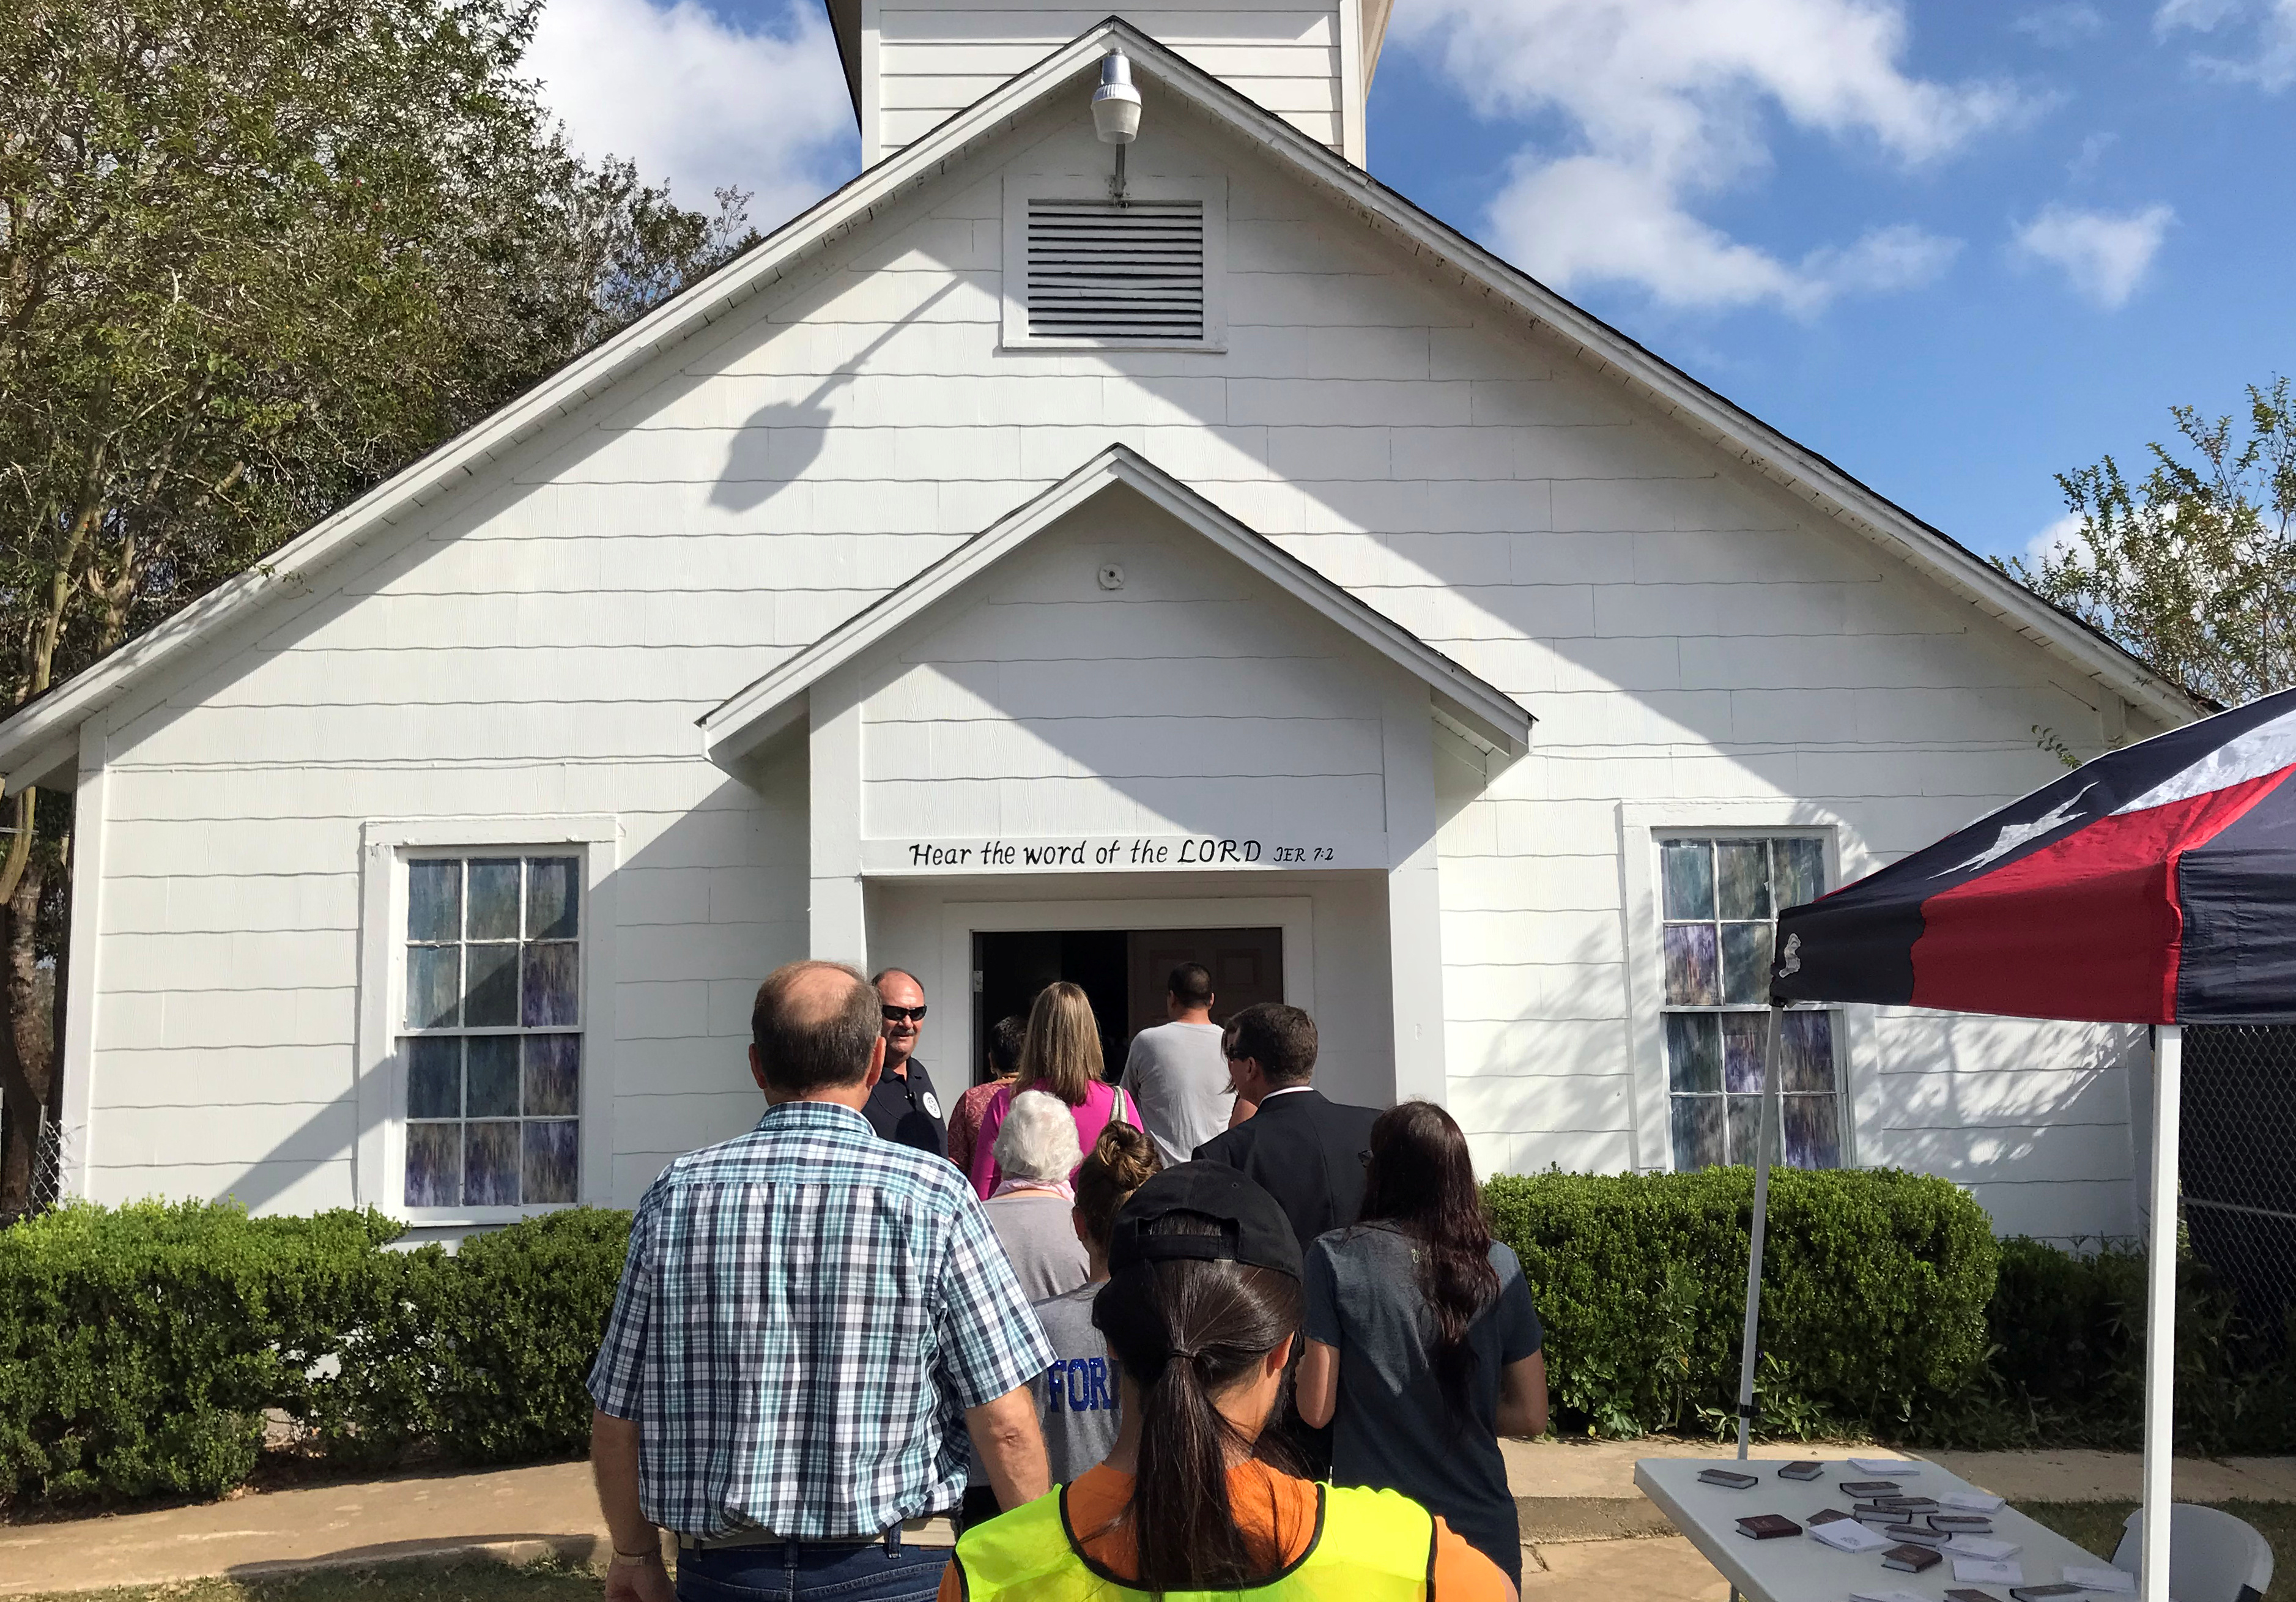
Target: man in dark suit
x=1305, y=1151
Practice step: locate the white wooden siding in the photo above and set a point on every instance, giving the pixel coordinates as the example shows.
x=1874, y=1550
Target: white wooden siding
x=542, y=642
x=935, y=60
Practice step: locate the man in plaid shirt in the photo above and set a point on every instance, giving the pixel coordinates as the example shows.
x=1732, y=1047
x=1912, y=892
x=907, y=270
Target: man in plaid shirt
x=808, y=1319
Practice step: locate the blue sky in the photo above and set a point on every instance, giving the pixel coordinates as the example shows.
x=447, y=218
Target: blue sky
x=1957, y=248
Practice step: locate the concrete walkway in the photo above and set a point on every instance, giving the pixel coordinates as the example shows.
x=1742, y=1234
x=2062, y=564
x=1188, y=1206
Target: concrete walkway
x=1577, y=1500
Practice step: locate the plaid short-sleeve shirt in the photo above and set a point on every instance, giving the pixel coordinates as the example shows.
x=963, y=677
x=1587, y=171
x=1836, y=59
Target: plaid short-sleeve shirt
x=805, y=1313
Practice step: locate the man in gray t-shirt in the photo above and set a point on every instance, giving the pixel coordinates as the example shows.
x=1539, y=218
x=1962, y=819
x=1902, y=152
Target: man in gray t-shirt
x=1177, y=1073
x=1076, y=1397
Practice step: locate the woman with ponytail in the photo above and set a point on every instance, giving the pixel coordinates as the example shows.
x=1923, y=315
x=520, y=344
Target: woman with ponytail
x=1200, y=1313
x=1423, y=1344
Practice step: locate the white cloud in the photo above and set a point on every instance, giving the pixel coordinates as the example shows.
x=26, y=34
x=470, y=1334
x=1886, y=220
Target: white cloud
x=2273, y=66
x=2061, y=27
x=2103, y=254
x=1666, y=100
x=2059, y=538
x=697, y=102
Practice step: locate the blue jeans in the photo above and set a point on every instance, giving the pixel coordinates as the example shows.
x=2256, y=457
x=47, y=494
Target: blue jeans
x=804, y=1572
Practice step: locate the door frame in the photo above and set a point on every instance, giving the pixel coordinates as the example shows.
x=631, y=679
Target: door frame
x=1295, y=915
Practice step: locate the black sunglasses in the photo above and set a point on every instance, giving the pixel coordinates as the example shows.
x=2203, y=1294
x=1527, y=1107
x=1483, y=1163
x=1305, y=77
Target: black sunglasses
x=894, y=1015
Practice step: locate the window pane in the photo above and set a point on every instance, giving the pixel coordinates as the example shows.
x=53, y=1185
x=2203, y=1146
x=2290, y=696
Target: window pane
x=550, y=1152
x=434, y=900
x=550, y=898
x=1687, y=867
x=1742, y=878
x=494, y=900
x=434, y=1165
x=1813, y=1132
x=1742, y=1039
x=1800, y=869
x=1745, y=1122
x=434, y=978
x=1806, y=1052
x=434, y=1078
x=1694, y=1057
x=1746, y=963
x=491, y=1150
x=1690, y=977
x=493, y=998
x=492, y=1086
x=550, y=971
x=553, y=1065
x=1697, y=1132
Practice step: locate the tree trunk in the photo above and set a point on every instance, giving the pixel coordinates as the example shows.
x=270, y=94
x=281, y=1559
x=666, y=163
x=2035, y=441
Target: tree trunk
x=28, y=1060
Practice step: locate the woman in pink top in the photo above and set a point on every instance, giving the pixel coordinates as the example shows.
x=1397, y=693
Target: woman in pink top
x=1061, y=1056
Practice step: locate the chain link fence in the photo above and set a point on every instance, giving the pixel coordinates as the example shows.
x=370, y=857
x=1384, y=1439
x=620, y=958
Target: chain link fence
x=2238, y=1164
x=47, y=1170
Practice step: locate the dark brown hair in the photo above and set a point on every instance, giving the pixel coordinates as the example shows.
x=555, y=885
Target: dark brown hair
x=1190, y=984
x=807, y=1046
x=1121, y=1161
x=1004, y=1040
x=1423, y=1181
x=1187, y=1330
x=1281, y=1039
x=1061, y=1053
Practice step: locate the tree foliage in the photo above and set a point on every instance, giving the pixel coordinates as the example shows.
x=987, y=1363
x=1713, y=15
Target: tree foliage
x=2192, y=567
x=255, y=255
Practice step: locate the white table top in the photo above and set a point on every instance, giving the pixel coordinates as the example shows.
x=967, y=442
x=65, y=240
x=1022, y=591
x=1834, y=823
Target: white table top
x=1796, y=1568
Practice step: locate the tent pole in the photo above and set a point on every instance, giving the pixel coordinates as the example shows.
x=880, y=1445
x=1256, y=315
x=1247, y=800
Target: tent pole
x=2160, y=1312
x=1761, y=1225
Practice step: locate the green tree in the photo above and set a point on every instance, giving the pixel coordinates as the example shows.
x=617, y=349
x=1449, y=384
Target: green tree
x=2193, y=567
x=254, y=256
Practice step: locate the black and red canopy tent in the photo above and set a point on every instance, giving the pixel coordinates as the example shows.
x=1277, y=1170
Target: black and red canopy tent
x=2155, y=885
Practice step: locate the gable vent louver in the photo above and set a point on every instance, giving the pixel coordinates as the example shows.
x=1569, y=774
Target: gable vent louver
x=1100, y=271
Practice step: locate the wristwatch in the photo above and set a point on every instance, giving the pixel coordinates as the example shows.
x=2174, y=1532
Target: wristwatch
x=630, y=1560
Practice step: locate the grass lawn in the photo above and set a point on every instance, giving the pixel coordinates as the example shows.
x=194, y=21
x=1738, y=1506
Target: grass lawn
x=549, y=1580
x=2097, y=1526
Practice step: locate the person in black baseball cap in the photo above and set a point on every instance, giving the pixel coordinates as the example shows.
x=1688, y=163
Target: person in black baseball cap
x=1201, y=1311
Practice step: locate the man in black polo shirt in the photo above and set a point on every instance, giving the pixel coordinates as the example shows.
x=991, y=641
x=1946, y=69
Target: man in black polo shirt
x=903, y=1106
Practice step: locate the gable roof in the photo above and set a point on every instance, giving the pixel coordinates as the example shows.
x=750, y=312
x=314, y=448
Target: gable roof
x=41, y=737
x=1485, y=717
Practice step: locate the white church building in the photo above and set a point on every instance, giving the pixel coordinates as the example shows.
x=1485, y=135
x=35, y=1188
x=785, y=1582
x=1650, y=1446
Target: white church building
x=1006, y=579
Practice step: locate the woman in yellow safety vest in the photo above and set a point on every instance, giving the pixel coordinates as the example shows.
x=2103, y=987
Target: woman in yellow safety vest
x=1201, y=1311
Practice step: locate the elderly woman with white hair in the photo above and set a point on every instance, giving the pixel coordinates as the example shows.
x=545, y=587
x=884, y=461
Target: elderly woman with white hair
x=1035, y=1152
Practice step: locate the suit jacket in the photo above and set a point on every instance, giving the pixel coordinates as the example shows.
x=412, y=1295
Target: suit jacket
x=1306, y=1152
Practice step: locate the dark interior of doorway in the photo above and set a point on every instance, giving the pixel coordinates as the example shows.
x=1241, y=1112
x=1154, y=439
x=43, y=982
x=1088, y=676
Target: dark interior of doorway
x=1123, y=972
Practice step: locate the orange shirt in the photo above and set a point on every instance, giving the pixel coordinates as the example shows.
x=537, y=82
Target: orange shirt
x=1269, y=1506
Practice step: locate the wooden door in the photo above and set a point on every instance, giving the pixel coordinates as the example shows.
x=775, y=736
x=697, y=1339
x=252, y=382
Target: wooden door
x=1246, y=965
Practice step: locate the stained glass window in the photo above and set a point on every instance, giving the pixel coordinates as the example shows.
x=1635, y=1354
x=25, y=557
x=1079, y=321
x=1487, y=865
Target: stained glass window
x=1719, y=905
x=492, y=1049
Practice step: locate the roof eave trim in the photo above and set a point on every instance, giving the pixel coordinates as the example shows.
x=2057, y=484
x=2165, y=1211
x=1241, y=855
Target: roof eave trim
x=748, y=718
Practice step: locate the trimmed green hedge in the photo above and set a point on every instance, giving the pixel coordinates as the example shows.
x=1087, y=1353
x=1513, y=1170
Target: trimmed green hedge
x=140, y=1348
x=1875, y=1289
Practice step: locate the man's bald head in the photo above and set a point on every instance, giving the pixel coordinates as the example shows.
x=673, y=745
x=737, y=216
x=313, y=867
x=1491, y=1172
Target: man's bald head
x=815, y=1026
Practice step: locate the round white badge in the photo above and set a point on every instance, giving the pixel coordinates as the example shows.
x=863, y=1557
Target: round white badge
x=930, y=1103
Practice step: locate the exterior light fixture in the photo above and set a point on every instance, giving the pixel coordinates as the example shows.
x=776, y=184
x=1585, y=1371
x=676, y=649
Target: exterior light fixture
x=1116, y=113
x=1116, y=103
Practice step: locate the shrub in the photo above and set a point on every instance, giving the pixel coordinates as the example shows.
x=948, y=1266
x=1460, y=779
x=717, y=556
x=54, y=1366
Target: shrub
x=139, y=1347
x=1875, y=1289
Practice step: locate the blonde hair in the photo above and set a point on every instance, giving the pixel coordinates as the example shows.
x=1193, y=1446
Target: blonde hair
x=1061, y=1053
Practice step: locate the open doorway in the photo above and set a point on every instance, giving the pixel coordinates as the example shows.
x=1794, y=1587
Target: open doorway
x=1123, y=972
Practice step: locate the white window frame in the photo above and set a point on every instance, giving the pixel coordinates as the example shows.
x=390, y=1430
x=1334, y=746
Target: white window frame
x=1641, y=826
x=386, y=846
x=1021, y=188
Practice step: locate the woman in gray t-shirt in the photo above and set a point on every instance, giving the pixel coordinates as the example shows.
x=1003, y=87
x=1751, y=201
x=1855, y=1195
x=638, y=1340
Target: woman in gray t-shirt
x=1423, y=1344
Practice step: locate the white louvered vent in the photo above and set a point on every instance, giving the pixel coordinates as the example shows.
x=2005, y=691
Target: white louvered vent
x=1100, y=271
